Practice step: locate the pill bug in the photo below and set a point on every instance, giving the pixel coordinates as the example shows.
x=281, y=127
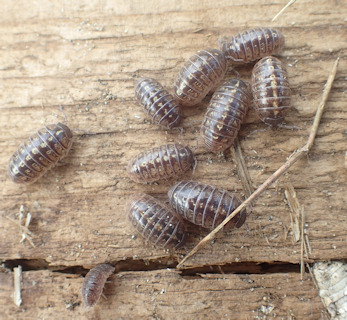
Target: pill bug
x=201, y=73
x=225, y=114
x=160, y=105
x=161, y=163
x=156, y=222
x=94, y=283
x=251, y=45
x=205, y=205
x=271, y=91
x=40, y=153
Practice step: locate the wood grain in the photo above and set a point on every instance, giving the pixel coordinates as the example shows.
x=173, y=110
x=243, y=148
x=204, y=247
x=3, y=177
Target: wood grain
x=165, y=294
x=79, y=61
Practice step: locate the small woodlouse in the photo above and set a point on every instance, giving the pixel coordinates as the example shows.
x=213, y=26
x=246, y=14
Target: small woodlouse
x=155, y=222
x=201, y=73
x=40, y=153
x=251, y=45
x=205, y=205
x=94, y=283
x=271, y=91
x=160, y=105
x=225, y=114
x=161, y=163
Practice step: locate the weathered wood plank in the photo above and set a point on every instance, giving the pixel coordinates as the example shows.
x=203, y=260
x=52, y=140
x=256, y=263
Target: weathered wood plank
x=164, y=294
x=83, y=59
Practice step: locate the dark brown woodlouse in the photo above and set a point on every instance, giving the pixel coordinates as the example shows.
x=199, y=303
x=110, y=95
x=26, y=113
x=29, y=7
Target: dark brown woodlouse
x=159, y=104
x=201, y=73
x=40, y=153
x=271, y=91
x=251, y=45
x=156, y=222
x=225, y=114
x=161, y=163
x=94, y=283
x=205, y=205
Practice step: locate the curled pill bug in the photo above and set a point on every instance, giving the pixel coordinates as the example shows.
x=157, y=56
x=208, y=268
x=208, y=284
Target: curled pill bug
x=225, y=114
x=199, y=75
x=40, y=153
x=205, y=205
x=159, y=104
x=271, y=91
x=251, y=45
x=162, y=163
x=94, y=283
x=155, y=221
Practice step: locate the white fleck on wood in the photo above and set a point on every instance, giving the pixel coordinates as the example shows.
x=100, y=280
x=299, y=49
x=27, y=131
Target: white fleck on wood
x=17, y=297
x=332, y=282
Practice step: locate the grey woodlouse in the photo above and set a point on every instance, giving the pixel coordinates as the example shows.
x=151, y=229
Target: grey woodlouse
x=225, y=114
x=156, y=222
x=161, y=163
x=251, y=45
x=201, y=73
x=160, y=105
x=94, y=283
x=271, y=91
x=40, y=153
x=205, y=205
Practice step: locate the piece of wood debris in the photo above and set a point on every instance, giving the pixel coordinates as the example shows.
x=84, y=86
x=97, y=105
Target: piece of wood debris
x=294, y=206
x=26, y=234
x=331, y=278
x=17, y=280
x=242, y=169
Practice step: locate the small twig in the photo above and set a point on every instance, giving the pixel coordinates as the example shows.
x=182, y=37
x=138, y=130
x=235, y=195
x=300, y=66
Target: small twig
x=302, y=263
x=242, y=170
x=17, y=280
x=294, y=157
x=283, y=9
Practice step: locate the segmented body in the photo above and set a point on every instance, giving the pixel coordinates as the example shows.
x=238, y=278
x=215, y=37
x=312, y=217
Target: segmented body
x=159, y=104
x=271, y=91
x=161, y=163
x=205, y=205
x=251, y=45
x=94, y=283
x=40, y=153
x=225, y=114
x=155, y=222
x=201, y=73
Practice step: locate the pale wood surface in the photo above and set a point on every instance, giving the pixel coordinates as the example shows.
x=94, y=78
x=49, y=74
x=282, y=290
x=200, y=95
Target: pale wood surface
x=80, y=61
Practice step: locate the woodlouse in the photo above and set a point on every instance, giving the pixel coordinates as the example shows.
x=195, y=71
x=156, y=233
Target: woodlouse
x=160, y=105
x=155, y=222
x=271, y=91
x=164, y=162
x=251, y=45
x=225, y=114
x=201, y=73
x=205, y=205
x=94, y=283
x=40, y=153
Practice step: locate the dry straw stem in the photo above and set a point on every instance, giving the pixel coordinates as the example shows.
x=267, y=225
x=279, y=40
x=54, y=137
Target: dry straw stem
x=294, y=157
x=283, y=9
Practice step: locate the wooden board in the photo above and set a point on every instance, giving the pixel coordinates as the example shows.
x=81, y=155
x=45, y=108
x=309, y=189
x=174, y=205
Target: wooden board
x=79, y=61
x=165, y=295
